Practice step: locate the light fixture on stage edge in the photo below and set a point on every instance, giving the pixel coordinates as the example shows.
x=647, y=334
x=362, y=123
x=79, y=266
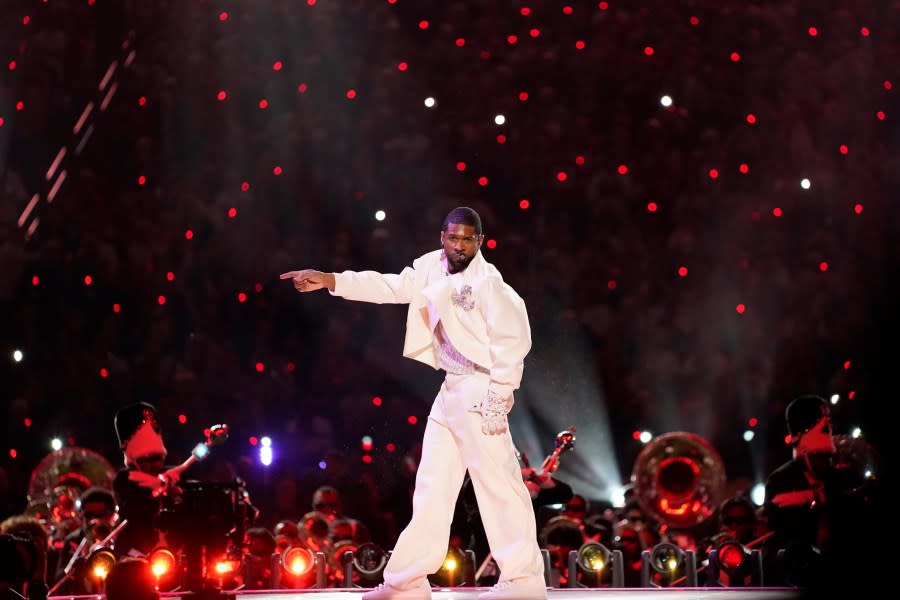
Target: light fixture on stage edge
x=732, y=564
x=366, y=562
x=596, y=564
x=666, y=564
x=299, y=568
x=458, y=569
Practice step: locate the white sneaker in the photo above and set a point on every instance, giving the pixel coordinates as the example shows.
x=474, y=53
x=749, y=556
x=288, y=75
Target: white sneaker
x=387, y=592
x=526, y=588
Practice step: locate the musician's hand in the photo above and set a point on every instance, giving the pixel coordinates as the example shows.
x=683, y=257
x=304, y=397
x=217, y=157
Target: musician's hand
x=145, y=480
x=540, y=478
x=171, y=477
x=310, y=280
x=796, y=498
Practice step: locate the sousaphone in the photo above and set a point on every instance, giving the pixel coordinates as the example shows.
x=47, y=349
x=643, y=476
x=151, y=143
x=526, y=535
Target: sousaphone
x=72, y=467
x=678, y=479
x=58, y=481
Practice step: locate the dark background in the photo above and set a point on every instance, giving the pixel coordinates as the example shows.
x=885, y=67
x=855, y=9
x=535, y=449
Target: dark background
x=622, y=342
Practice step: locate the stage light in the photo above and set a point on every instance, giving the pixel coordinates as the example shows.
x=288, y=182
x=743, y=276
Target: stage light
x=595, y=565
x=299, y=568
x=367, y=562
x=298, y=560
x=666, y=565
x=164, y=566
x=458, y=569
x=734, y=565
x=226, y=570
x=56, y=444
x=225, y=566
x=100, y=561
x=265, y=451
x=162, y=563
x=758, y=493
x=17, y=355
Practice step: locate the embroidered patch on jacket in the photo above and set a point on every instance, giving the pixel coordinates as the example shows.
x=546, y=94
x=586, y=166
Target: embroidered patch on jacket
x=463, y=298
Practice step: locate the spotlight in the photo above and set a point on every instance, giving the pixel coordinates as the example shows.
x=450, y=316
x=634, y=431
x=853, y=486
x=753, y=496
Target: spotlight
x=458, y=569
x=594, y=565
x=99, y=563
x=733, y=565
x=366, y=562
x=162, y=562
x=300, y=568
x=298, y=561
x=666, y=565
x=226, y=569
x=164, y=566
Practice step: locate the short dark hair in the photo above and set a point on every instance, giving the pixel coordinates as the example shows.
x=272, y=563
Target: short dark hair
x=463, y=215
x=803, y=412
x=740, y=502
x=99, y=494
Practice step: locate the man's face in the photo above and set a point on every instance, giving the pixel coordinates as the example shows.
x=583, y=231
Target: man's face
x=737, y=523
x=460, y=243
x=328, y=504
x=817, y=439
x=152, y=463
x=96, y=510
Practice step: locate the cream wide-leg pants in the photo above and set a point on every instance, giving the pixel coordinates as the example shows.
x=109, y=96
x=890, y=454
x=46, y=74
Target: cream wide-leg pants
x=454, y=442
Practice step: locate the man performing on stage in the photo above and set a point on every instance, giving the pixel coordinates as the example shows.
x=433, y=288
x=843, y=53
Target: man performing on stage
x=463, y=318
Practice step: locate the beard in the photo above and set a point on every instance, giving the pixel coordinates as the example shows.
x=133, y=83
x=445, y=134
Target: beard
x=457, y=262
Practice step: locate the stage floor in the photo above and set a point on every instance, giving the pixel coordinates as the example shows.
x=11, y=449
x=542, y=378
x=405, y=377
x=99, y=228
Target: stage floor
x=554, y=594
x=558, y=594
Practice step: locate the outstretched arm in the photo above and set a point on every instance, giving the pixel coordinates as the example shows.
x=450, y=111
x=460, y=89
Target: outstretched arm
x=309, y=280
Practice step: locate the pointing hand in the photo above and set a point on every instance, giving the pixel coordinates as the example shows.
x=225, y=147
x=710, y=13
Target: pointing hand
x=309, y=280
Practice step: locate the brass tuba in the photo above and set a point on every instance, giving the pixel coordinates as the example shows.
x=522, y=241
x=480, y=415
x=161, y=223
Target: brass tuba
x=857, y=466
x=678, y=479
x=58, y=481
